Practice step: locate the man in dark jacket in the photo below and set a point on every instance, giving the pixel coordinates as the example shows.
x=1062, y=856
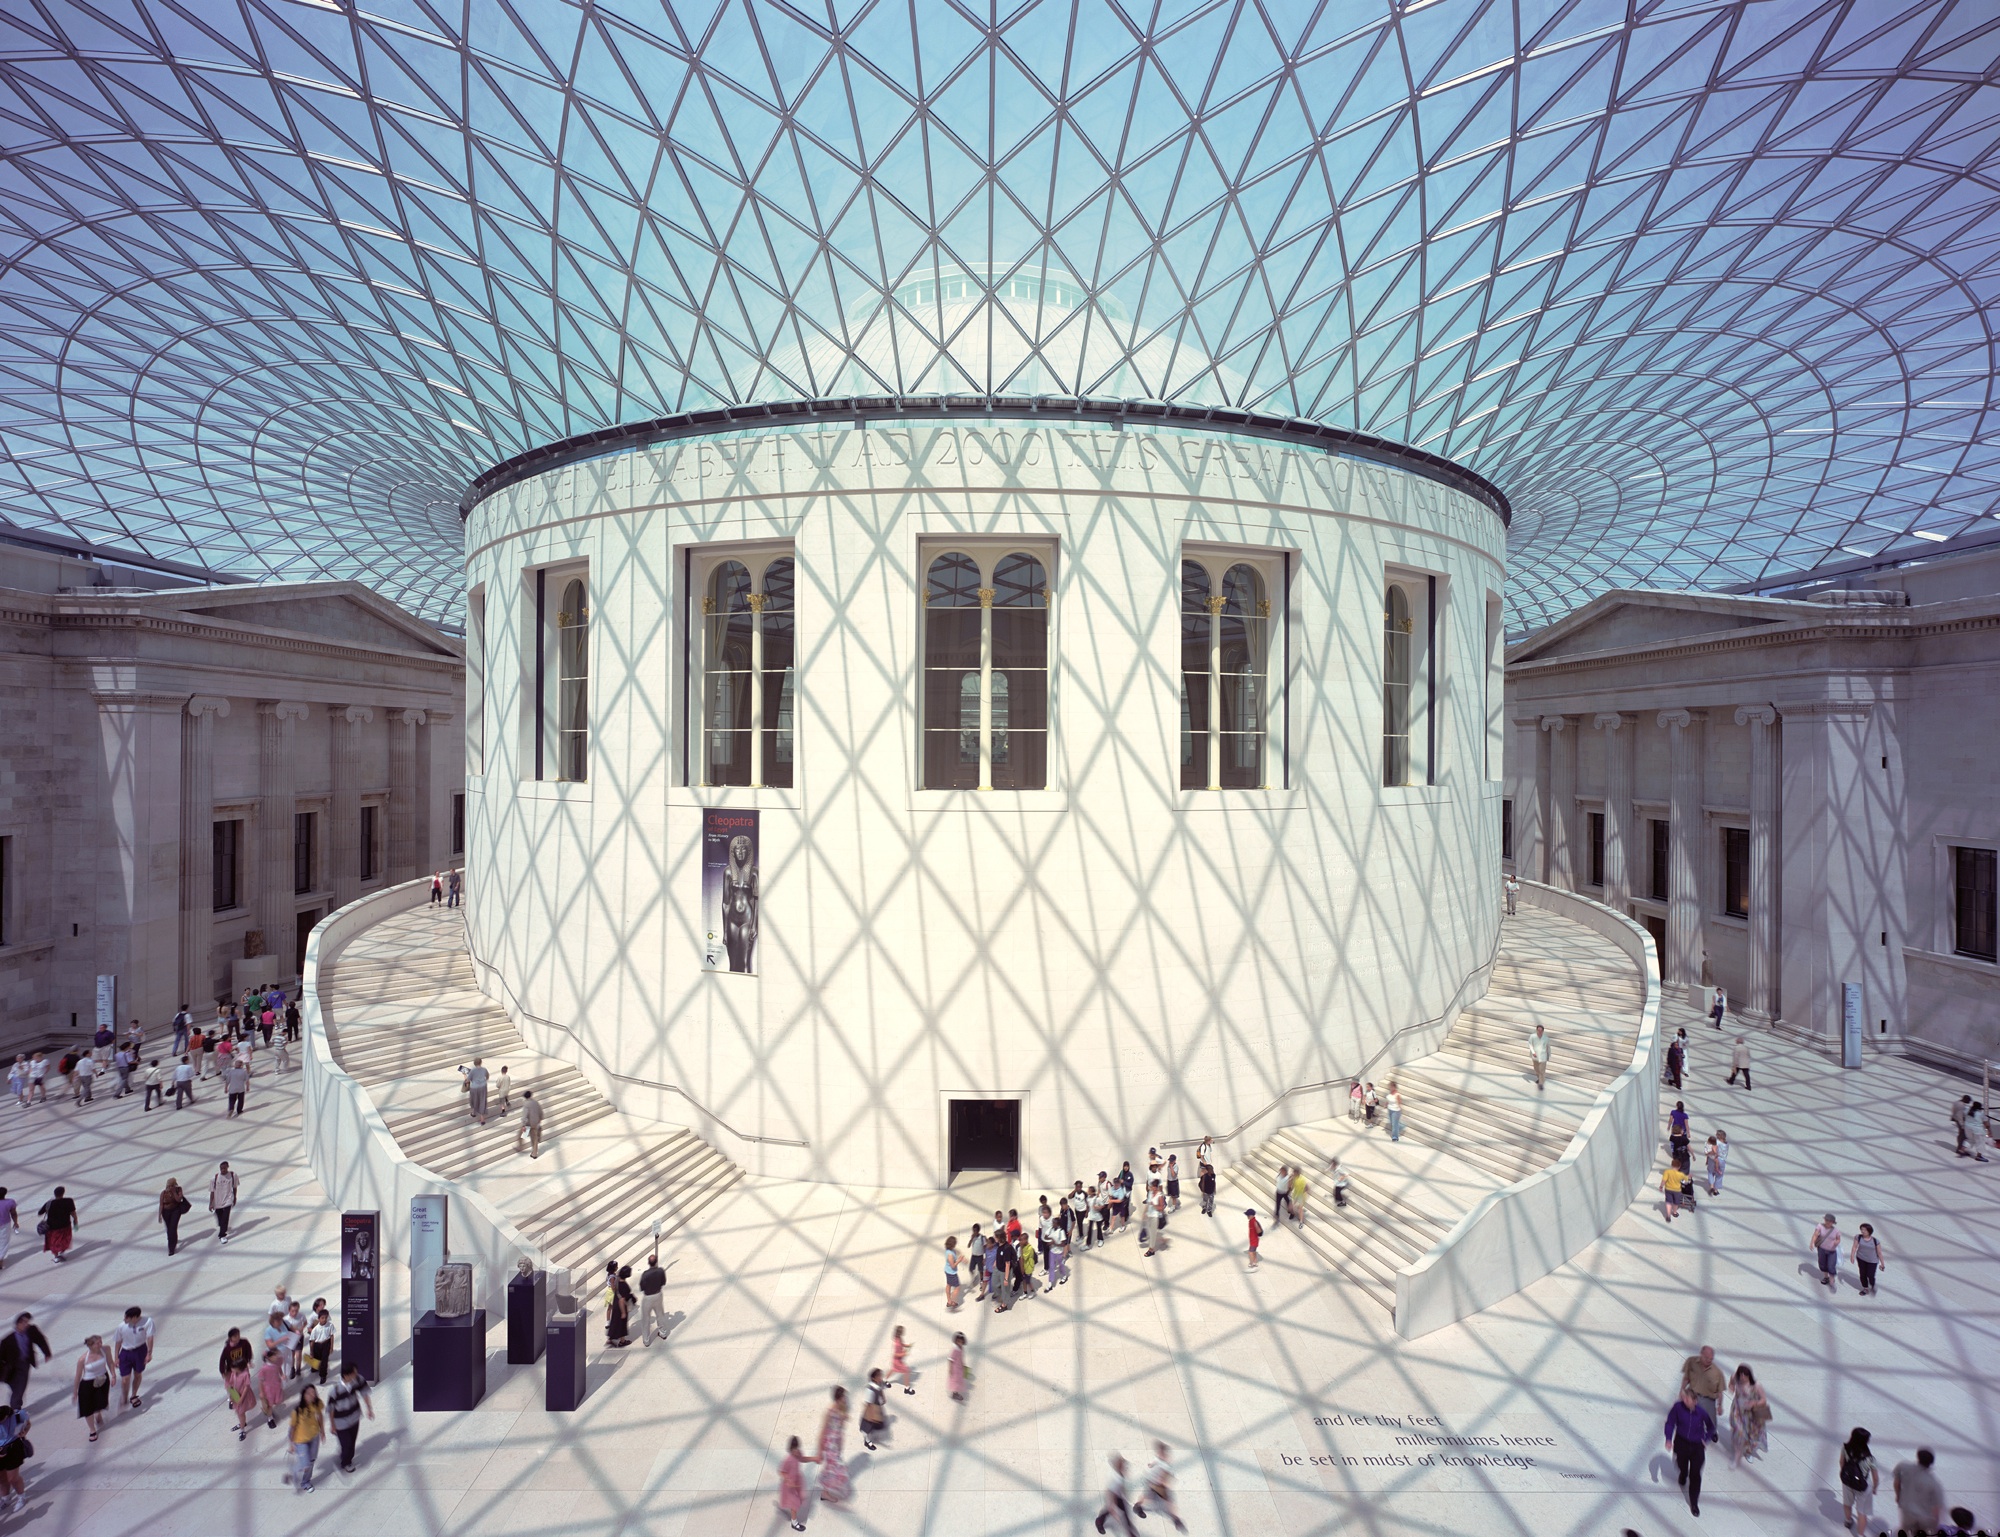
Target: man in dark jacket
x=17, y=1356
x=1207, y=1184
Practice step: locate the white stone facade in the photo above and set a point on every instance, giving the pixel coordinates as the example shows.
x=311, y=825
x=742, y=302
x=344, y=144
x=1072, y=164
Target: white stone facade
x=1133, y=961
x=1847, y=740
x=132, y=721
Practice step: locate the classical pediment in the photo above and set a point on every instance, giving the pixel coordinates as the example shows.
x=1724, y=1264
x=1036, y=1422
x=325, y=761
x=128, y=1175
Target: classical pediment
x=1621, y=621
x=331, y=612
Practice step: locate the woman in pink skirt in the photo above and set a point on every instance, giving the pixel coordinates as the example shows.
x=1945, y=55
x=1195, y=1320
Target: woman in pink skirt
x=833, y=1481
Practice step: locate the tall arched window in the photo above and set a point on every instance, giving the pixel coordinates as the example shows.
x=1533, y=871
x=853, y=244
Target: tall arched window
x=986, y=672
x=1225, y=662
x=748, y=647
x=1396, y=638
x=573, y=682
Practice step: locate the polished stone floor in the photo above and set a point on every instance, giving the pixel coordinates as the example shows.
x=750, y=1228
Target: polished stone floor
x=1285, y=1396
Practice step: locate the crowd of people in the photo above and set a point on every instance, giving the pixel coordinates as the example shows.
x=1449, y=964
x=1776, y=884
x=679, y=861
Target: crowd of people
x=263, y=1020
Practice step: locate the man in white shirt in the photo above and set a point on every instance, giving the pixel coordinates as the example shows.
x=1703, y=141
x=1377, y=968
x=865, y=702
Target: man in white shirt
x=235, y=1083
x=183, y=1083
x=222, y=1200
x=1739, y=1061
x=1160, y=1488
x=1538, y=1053
x=86, y=1073
x=134, y=1341
x=1116, y=1510
x=476, y=1079
x=1512, y=886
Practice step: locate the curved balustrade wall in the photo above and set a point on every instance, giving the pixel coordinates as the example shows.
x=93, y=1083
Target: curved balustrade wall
x=1518, y=1235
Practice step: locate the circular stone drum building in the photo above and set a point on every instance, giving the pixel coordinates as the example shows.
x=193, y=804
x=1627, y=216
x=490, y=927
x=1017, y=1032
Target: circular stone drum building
x=893, y=787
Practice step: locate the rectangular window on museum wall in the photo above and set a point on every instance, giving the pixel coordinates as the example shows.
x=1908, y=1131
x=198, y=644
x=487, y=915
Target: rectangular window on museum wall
x=984, y=718
x=1495, y=685
x=1594, y=870
x=1507, y=829
x=6, y=891
x=370, y=821
x=1975, y=905
x=1657, y=858
x=225, y=873
x=1413, y=604
x=1233, y=645
x=458, y=824
x=304, y=826
x=475, y=681
x=741, y=646
x=1736, y=872
x=558, y=689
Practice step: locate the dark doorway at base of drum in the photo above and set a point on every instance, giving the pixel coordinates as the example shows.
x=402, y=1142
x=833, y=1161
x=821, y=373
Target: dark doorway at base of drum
x=985, y=1135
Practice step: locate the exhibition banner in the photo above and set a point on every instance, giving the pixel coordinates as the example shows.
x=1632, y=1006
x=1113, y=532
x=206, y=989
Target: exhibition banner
x=360, y=1291
x=729, y=890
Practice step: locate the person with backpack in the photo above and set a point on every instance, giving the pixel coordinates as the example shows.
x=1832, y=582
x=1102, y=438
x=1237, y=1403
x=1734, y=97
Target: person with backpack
x=345, y=1404
x=1860, y=1481
x=1868, y=1258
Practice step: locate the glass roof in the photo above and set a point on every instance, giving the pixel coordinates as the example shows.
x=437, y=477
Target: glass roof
x=1705, y=288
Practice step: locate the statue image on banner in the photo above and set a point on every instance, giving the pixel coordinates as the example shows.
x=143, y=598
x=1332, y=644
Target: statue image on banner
x=729, y=891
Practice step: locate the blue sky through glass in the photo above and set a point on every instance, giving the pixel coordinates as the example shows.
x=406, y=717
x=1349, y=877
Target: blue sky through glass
x=1705, y=288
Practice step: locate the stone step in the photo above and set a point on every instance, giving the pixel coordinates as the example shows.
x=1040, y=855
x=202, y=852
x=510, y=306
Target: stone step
x=1344, y=1253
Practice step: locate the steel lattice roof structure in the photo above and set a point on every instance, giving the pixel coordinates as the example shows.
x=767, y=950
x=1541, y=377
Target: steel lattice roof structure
x=1705, y=288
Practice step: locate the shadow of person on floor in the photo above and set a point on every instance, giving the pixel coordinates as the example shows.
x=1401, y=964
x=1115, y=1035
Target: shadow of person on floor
x=670, y=1322
x=1662, y=1468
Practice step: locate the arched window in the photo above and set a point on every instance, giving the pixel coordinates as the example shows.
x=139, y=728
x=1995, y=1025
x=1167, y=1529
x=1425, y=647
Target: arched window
x=1396, y=628
x=748, y=651
x=1225, y=659
x=986, y=672
x=573, y=682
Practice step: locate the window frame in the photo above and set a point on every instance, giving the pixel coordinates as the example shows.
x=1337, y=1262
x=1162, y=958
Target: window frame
x=1659, y=859
x=1506, y=829
x=705, y=564
x=226, y=891
x=986, y=553
x=306, y=821
x=368, y=835
x=550, y=744
x=1271, y=571
x=1426, y=593
x=1733, y=895
x=1964, y=857
x=475, y=680
x=1593, y=849
x=458, y=822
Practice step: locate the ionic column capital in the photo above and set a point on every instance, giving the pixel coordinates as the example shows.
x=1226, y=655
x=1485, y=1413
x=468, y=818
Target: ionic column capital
x=407, y=717
x=284, y=709
x=1609, y=720
x=1681, y=720
x=207, y=704
x=1555, y=723
x=353, y=714
x=1756, y=714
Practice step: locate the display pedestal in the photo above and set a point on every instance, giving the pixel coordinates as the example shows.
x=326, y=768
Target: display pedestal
x=567, y=1338
x=527, y=1318
x=448, y=1362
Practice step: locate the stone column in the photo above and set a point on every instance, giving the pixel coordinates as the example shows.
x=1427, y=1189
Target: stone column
x=431, y=851
x=1562, y=802
x=343, y=833
x=403, y=853
x=275, y=751
x=1620, y=836
x=137, y=832
x=1761, y=1003
x=1528, y=740
x=197, y=896
x=1685, y=821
